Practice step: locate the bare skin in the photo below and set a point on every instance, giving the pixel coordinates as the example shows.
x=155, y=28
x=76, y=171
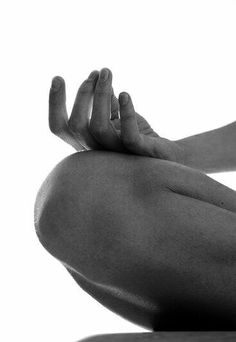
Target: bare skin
x=95, y=98
x=152, y=240
x=171, y=262
x=212, y=151
x=210, y=336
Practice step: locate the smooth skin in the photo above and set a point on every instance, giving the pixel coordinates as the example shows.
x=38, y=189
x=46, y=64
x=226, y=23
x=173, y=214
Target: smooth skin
x=152, y=240
x=169, y=262
x=109, y=126
x=212, y=151
x=95, y=108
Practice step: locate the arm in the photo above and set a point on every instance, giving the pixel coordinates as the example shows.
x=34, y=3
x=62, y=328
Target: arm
x=212, y=151
x=152, y=240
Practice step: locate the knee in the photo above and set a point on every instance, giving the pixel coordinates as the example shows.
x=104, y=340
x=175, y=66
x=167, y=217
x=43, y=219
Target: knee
x=59, y=208
x=76, y=210
x=50, y=211
x=87, y=212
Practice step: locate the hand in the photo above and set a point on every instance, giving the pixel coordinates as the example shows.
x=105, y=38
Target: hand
x=75, y=130
x=137, y=140
x=134, y=132
x=94, y=95
x=105, y=130
x=104, y=126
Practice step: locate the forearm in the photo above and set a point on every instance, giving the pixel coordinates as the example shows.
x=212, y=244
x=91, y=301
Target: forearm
x=212, y=151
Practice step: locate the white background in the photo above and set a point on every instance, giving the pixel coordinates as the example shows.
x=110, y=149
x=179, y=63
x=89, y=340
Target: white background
x=178, y=61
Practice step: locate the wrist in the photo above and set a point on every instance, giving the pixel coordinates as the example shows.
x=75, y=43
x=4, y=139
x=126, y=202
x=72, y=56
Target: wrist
x=183, y=154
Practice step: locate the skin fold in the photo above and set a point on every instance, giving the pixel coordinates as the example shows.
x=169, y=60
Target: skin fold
x=152, y=240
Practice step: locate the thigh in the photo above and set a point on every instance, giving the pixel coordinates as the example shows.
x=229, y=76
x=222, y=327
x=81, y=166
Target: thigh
x=139, y=239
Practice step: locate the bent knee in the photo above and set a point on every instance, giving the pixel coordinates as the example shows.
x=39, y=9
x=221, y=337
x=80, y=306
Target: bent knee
x=94, y=208
x=82, y=211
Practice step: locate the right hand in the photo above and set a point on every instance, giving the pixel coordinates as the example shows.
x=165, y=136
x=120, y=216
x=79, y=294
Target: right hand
x=105, y=130
x=131, y=132
x=95, y=94
x=143, y=141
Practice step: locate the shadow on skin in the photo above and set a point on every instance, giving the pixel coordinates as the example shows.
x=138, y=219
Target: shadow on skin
x=151, y=240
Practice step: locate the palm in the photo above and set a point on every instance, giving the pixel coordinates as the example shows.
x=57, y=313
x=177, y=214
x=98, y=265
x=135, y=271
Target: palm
x=143, y=126
x=103, y=129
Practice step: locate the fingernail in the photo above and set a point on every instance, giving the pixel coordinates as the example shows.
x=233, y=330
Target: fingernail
x=93, y=75
x=56, y=83
x=124, y=99
x=104, y=74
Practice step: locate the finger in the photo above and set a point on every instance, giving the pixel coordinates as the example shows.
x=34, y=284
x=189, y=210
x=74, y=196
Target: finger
x=102, y=101
x=114, y=106
x=100, y=124
x=83, y=103
x=57, y=106
x=129, y=128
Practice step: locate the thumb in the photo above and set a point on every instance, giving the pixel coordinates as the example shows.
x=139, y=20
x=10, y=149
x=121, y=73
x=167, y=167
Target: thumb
x=129, y=127
x=57, y=106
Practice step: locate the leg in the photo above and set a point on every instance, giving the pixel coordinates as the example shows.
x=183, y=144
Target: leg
x=151, y=240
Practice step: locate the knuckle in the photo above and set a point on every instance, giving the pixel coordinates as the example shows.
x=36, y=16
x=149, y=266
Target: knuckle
x=130, y=142
x=56, y=128
x=97, y=129
x=101, y=132
x=86, y=87
x=103, y=89
x=128, y=115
